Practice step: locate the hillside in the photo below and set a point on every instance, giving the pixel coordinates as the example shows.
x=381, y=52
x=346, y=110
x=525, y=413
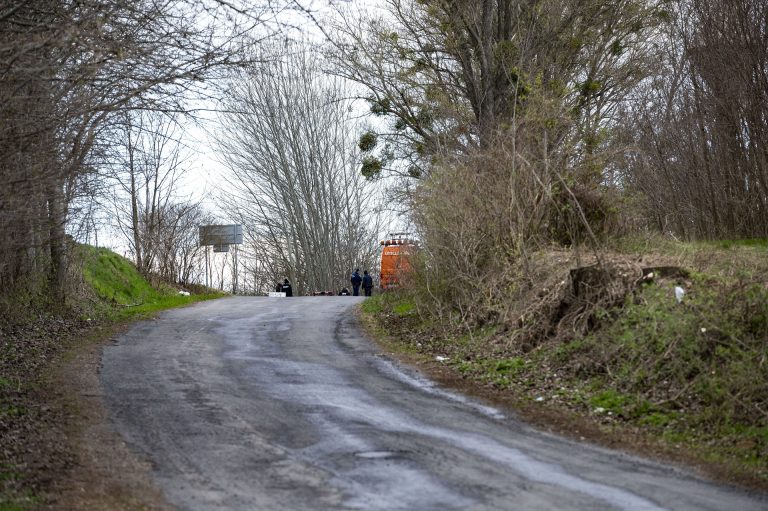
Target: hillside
x=36, y=414
x=122, y=292
x=659, y=347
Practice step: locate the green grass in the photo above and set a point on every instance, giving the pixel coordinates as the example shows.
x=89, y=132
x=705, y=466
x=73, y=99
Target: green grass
x=373, y=305
x=761, y=243
x=126, y=293
x=390, y=302
x=115, y=279
x=509, y=365
x=17, y=505
x=5, y=384
x=404, y=308
x=610, y=401
x=22, y=501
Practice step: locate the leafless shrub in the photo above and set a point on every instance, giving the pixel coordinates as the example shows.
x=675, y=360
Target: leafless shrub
x=157, y=220
x=479, y=219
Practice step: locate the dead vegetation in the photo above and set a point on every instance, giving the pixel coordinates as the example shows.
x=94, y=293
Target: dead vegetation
x=573, y=292
x=31, y=451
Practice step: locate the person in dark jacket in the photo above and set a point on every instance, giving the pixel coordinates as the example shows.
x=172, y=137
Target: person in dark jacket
x=279, y=287
x=356, y=280
x=367, y=283
x=286, y=288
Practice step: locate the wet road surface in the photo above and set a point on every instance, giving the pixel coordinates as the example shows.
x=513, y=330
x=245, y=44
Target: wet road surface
x=253, y=403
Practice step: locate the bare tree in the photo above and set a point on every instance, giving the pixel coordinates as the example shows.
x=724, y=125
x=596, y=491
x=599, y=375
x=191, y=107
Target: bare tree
x=292, y=179
x=67, y=71
x=701, y=163
x=506, y=110
x=147, y=165
x=182, y=254
x=157, y=219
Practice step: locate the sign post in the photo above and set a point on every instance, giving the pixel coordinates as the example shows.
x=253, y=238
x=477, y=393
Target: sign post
x=221, y=237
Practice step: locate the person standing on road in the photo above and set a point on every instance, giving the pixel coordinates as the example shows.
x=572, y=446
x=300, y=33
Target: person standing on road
x=356, y=280
x=367, y=283
x=286, y=288
x=279, y=287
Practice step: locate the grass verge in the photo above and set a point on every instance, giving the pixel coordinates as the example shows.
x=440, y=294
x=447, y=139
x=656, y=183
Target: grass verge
x=122, y=293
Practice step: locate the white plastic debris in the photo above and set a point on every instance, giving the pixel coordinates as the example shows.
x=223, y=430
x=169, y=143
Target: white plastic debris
x=599, y=409
x=441, y=358
x=649, y=276
x=539, y=399
x=184, y=293
x=679, y=294
x=703, y=330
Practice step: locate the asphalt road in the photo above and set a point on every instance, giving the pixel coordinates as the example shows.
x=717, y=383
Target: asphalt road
x=282, y=404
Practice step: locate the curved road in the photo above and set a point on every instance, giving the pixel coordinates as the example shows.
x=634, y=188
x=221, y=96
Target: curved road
x=282, y=404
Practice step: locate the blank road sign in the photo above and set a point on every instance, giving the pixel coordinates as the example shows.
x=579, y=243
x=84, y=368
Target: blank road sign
x=221, y=235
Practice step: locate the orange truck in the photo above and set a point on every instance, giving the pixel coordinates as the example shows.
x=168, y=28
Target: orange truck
x=394, y=258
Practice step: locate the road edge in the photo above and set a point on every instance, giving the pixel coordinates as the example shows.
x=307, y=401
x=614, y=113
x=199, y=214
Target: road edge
x=104, y=473
x=554, y=421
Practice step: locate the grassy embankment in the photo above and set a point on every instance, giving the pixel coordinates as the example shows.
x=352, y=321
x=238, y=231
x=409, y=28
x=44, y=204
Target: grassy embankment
x=685, y=380
x=124, y=294
x=34, y=445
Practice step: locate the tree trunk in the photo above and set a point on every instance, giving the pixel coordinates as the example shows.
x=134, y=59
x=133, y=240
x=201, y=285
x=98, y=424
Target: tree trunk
x=57, y=241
